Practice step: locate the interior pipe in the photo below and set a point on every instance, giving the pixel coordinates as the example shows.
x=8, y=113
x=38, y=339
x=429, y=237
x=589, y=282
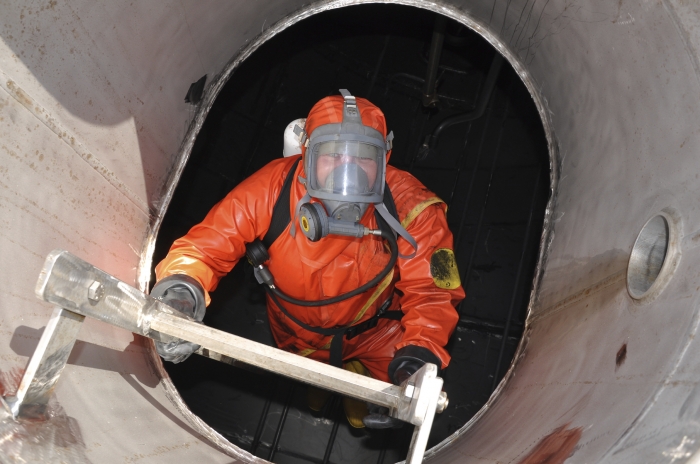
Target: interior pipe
x=476, y=113
x=430, y=98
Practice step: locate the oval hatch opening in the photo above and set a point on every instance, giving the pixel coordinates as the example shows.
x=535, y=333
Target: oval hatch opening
x=492, y=172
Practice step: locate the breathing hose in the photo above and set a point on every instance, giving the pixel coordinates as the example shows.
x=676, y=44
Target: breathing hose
x=389, y=237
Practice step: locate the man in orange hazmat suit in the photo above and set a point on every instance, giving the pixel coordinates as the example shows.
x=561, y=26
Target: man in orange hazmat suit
x=340, y=294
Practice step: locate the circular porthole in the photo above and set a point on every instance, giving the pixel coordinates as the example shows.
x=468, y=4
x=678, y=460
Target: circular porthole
x=654, y=256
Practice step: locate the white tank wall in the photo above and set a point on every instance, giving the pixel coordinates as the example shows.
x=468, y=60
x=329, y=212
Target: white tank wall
x=91, y=121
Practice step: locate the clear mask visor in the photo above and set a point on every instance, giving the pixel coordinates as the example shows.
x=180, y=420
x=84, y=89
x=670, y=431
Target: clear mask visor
x=347, y=168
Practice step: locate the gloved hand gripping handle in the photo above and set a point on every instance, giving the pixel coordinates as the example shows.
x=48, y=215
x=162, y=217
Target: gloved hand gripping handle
x=407, y=361
x=185, y=294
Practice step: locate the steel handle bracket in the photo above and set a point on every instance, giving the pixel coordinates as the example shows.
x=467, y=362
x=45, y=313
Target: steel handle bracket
x=80, y=288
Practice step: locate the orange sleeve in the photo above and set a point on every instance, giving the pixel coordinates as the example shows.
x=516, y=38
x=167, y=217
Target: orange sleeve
x=430, y=314
x=213, y=247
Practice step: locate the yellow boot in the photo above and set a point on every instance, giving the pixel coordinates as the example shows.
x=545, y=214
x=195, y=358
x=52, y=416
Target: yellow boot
x=316, y=398
x=355, y=410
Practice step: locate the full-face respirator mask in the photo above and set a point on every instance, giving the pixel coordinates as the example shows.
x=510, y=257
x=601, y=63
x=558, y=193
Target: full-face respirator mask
x=345, y=165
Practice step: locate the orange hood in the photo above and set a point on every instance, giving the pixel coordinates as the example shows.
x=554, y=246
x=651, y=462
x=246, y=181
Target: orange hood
x=329, y=110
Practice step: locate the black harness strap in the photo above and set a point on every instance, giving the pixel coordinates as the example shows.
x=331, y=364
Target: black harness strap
x=280, y=212
x=278, y=223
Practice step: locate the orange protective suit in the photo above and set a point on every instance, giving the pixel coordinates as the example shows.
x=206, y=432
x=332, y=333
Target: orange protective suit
x=335, y=264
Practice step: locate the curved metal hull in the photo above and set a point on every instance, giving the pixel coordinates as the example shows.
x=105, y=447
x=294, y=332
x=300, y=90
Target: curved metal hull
x=94, y=131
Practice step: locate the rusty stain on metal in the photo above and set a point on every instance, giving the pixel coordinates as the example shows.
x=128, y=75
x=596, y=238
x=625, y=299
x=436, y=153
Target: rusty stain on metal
x=555, y=448
x=57, y=438
x=621, y=356
x=9, y=381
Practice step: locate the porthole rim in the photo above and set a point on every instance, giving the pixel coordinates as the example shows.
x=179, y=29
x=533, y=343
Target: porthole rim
x=671, y=260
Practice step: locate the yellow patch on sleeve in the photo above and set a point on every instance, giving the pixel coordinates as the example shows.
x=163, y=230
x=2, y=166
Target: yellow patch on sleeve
x=443, y=268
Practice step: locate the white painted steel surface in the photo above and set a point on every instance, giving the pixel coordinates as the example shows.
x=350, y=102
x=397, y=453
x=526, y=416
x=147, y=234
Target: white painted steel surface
x=91, y=121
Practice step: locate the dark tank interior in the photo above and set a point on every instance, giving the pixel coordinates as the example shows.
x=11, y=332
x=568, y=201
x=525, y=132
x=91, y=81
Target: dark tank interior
x=492, y=171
